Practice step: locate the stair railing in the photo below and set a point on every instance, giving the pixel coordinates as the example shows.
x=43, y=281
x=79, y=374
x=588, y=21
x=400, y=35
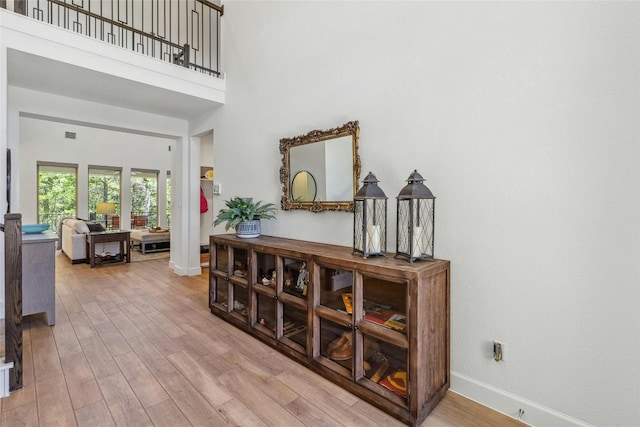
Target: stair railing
x=184, y=32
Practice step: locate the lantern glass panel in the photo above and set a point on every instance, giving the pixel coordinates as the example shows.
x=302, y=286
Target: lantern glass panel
x=370, y=226
x=415, y=228
x=358, y=226
x=422, y=214
x=404, y=225
x=376, y=219
x=424, y=220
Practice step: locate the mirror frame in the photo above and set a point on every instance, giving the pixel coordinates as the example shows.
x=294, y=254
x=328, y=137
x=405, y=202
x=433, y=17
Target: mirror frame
x=352, y=129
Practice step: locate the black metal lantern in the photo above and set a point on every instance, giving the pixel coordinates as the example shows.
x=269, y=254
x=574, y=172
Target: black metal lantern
x=370, y=219
x=415, y=220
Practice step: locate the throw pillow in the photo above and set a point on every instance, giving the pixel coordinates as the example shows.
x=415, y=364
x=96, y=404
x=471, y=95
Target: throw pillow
x=81, y=227
x=95, y=227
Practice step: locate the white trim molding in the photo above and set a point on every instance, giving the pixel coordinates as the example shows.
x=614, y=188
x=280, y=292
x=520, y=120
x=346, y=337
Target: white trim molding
x=511, y=405
x=4, y=377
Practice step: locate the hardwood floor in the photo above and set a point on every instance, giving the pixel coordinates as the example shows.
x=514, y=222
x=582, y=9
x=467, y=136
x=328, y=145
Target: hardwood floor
x=135, y=344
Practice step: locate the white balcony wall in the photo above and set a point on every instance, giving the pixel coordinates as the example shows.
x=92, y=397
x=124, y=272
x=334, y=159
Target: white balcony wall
x=179, y=23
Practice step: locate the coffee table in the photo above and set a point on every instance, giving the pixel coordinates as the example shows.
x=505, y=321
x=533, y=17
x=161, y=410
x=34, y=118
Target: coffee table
x=151, y=241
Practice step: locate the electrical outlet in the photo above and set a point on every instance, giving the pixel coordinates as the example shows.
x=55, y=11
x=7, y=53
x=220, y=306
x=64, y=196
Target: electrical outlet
x=498, y=351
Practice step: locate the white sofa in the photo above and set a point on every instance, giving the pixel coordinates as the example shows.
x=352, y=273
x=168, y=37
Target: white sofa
x=73, y=241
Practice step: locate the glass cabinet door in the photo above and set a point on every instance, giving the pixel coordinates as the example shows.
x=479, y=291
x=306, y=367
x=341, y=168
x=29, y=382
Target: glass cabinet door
x=265, y=270
x=264, y=293
x=385, y=368
x=293, y=290
x=228, y=277
x=281, y=305
x=334, y=305
x=219, y=292
x=240, y=262
x=239, y=282
x=295, y=277
x=240, y=304
x=336, y=289
x=266, y=316
x=227, y=261
x=384, y=303
x=219, y=258
x=294, y=327
x=336, y=345
x=218, y=276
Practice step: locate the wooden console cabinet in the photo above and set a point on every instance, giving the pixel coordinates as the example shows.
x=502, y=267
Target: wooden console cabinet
x=378, y=327
x=39, y=275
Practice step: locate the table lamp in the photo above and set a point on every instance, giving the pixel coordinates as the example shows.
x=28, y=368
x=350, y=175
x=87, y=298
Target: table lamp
x=105, y=208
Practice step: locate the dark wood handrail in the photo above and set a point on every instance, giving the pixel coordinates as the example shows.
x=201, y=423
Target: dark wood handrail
x=213, y=6
x=12, y=228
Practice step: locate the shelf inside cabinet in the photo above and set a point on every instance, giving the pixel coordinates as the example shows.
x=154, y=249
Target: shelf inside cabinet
x=336, y=288
x=295, y=280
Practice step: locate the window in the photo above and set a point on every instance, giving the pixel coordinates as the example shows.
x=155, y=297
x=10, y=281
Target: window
x=57, y=191
x=104, y=186
x=144, y=198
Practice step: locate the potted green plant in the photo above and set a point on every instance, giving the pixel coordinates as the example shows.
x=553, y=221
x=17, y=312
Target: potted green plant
x=244, y=215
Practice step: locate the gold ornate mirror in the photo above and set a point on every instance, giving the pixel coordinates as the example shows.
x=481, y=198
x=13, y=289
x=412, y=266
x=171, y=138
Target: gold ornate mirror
x=331, y=157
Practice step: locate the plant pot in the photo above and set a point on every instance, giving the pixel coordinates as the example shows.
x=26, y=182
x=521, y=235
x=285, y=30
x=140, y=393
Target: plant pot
x=249, y=229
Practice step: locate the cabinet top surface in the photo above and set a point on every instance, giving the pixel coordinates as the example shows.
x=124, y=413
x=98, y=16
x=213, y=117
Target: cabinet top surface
x=327, y=251
x=46, y=236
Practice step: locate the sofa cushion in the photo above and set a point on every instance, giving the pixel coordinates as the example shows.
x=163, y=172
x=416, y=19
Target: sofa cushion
x=81, y=227
x=95, y=226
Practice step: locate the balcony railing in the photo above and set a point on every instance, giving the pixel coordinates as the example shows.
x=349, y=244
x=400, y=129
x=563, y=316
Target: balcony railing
x=139, y=219
x=184, y=32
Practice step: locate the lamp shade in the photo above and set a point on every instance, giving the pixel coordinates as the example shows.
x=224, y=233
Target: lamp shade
x=106, y=208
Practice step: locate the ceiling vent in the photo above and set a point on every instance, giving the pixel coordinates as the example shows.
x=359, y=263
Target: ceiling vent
x=70, y=135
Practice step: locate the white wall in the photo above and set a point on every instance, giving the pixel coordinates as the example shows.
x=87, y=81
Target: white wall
x=43, y=140
x=523, y=118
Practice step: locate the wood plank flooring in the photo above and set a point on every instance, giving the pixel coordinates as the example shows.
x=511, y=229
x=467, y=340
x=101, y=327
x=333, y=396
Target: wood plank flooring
x=136, y=345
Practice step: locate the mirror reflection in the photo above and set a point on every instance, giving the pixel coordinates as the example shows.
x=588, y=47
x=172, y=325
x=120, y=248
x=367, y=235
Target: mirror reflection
x=330, y=159
x=303, y=187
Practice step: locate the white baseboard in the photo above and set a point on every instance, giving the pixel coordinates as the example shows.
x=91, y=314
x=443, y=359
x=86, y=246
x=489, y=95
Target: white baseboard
x=4, y=377
x=182, y=271
x=510, y=404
